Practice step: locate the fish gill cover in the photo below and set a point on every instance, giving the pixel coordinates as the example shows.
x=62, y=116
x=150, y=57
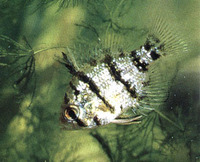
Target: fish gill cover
x=30, y=63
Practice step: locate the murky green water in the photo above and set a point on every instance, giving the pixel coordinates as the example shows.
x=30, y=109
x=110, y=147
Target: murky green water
x=32, y=91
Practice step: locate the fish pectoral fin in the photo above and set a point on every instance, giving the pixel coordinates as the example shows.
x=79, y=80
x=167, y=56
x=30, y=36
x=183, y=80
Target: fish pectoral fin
x=129, y=121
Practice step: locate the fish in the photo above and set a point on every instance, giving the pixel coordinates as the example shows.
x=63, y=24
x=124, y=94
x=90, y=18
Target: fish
x=122, y=86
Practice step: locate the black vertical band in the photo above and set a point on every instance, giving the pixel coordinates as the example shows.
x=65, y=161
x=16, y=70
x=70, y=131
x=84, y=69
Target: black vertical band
x=117, y=75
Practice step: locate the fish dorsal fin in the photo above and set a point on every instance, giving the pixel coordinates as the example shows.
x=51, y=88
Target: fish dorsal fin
x=112, y=41
x=85, y=52
x=167, y=38
x=164, y=30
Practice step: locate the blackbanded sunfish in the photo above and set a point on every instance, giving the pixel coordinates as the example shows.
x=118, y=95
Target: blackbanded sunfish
x=129, y=81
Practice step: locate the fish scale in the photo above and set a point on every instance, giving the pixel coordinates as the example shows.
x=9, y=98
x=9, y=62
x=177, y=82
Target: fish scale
x=105, y=90
x=116, y=82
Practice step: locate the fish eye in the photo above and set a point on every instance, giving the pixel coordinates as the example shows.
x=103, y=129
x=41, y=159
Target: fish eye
x=71, y=112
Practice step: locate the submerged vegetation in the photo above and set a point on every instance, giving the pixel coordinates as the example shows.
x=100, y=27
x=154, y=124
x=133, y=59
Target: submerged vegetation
x=30, y=130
